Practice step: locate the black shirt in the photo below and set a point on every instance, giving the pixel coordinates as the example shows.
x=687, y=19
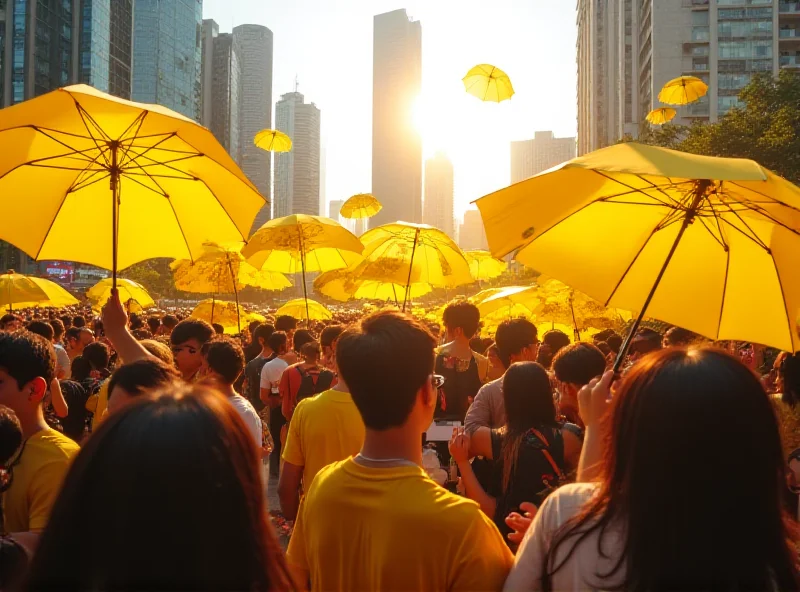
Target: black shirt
x=75, y=394
x=252, y=373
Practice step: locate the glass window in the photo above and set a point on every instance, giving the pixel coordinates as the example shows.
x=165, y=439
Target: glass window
x=700, y=17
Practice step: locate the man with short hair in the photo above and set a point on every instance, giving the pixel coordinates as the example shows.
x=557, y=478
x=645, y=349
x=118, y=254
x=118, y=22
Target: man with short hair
x=10, y=322
x=252, y=371
x=516, y=341
x=78, y=321
x=27, y=367
x=187, y=340
x=168, y=323
x=288, y=325
x=327, y=340
x=154, y=324
x=410, y=533
x=131, y=381
x=253, y=348
x=63, y=364
x=270, y=393
x=574, y=366
x=77, y=338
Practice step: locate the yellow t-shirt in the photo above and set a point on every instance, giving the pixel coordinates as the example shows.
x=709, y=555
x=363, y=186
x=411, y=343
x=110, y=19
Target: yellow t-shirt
x=364, y=528
x=37, y=480
x=324, y=429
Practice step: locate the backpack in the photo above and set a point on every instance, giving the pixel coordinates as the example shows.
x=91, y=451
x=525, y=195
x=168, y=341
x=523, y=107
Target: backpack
x=309, y=386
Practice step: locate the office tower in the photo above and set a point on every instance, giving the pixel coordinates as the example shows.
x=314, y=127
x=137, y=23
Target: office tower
x=438, y=209
x=531, y=157
x=334, y=208
x=103, y=56
x=471, y=235
x=297, y=171
x=209, y=35
x=255, y=108
x=396, y=144
x=167, y=54
x=221, y=87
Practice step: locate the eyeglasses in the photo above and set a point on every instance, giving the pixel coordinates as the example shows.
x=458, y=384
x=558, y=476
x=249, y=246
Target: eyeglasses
x=437, y=381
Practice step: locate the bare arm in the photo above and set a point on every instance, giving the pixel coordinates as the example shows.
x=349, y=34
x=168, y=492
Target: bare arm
x=593, y=401
x=479, y=413
x=460, y=450
x=57, y=398
x=480, y=443
x=115, y=322
x=289, y=489
x=572, y=450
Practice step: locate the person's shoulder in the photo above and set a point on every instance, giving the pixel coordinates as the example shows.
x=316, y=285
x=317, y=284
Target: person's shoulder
x=327, y=479
x=53, y=444
x=452, y=513
x=490, y=387
x=567, y=500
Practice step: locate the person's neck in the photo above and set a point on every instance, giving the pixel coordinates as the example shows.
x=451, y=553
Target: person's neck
x=227, y=390
x=460, y=346
x=394, y=443
x=266, y=352
x=340, y=386
x=32, y=421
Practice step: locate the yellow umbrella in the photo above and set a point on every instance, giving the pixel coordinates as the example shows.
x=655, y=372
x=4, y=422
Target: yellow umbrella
x=384, y=280
x=682, y=90
x=483, y=266
x=57, y=297
x=488, y=83
x=316, y=243
x=303, y=308
x=225, y=313
x=362, y=205
x=709, y=244
x=273, y=141
x=16, y=289
x=512, y=301
x=149, y=182
x=419, y=249
x=129, y=290
x=661, y=115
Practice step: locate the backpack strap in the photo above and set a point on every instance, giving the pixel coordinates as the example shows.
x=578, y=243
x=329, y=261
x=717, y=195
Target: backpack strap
x=547, y=454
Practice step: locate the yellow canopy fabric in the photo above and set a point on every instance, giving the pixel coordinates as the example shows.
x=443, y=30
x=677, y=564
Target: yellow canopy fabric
x=483, y=266
x=57, y=297
x=383, y=280
x=363, y=205
x=661, y=115
x=300, y=308
x=177, y=186
x=682, y=90
x=16, y=289
x=512, y=301
x=488, y=83
x=129, y=290
x=224, y=313
x=605, y=224
x=273, y=141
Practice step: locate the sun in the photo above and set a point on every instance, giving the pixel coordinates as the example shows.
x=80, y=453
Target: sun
x=434, y=125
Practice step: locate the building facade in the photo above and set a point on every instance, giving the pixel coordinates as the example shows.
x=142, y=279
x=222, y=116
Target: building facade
x=438, y=207
x=531, y=157
x=209, y=35
x=396, y=144
x=167, y=54
x=471, y=234
x=297, y=172
x=105, y=36
x=221, y=87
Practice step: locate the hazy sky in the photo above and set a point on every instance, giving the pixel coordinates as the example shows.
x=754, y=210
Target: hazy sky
x=327, y=44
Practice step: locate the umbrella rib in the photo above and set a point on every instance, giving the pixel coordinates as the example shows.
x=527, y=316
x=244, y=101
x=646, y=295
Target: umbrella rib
x=138, y=122
x=148, y=149
x=724, y=289
x=711, y=232
x=223, y=208
x=770, y=198
x=755, y=238
x=82, y=184
x=132, y=178
x=789, y=322
x=86, y=116
x=180, y=227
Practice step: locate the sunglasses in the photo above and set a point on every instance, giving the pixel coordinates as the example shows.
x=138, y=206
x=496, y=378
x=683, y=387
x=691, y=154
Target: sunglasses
x=437, y=381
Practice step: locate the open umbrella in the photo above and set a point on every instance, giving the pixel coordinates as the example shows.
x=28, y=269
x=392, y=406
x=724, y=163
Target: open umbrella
x=488, y=83
x=149, y=182
x=225, y=313
x=17, y=289
x=483, y=266
x=661, y=115
x=273, y=141
x=512, y=301
x=709, y=244
x=303, y=308
x=363, y=205
x=382, y=280
x=129, y=291
x=57, y=297
x=682, y=90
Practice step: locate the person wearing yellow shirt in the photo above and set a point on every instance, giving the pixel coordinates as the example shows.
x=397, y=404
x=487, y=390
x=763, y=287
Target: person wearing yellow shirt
x=27, y=366
x=377, y=521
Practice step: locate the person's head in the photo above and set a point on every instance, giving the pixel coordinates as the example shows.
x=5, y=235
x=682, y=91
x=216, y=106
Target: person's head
x=80, y=369
x=476, y=344
x=224, y=360
x=576, y=364
x=142, y=334
x=251, y=328
x=300, y=338
x=135, y=321
x=10, y=322
x=310, y=352
x=142, y=377
x=387, y=363
x=516, y=341
x=328, y=337
x=41, y=328
x=669, y=397
x=58, y=329
x=98, y=355
x=461, y=320
x=77, y=338
x=218, y=329
x=159, y=350
x=614, y=342
x=645, y=341
x=78, y=321
x=603, y=347
x=494, y=357
x=286, y=324
x=544, y=356
x=187, y=339
x=27, y=367
x=154, y=324
x=10, y=438
x=556, y=340
x=278, y=342
x=261, y=334
x=66, y=320
x=603, y=335
x=788, y=375
x=679, y=337
x=168, y=323
x=166, y=495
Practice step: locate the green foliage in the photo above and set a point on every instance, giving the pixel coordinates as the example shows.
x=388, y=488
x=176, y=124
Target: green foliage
x=155, y=275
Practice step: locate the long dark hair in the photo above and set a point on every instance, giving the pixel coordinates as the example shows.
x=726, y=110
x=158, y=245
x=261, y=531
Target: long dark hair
x=789, y=378
x=165, y=495
x=528, y=398
x=681, y=423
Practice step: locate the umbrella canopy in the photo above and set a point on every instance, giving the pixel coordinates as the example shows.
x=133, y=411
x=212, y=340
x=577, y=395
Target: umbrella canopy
x=129, y=290
x=709, y=244
x=488, y=83
x=149, y=182
x=225, y=313
x=17, y=289
x=363, y=205
x=483, y=266
x=382, y=280
x=57, y=297
x=273, y=141
x=512, y=301
x=661, y=115
x=682, y=90
x=302, y=308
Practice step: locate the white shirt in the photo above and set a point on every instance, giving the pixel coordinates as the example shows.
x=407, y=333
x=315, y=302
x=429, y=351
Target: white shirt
x=249, y=415
x=271, y=374
x=62, y=360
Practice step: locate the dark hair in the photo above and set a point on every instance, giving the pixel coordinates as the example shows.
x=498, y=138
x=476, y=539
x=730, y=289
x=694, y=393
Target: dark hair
x=58, y=328
x=66, y=320
x=646, y=340
x=285, y=323
x=529, y=403
x=512, y=337
x=476, y=344
x=670, y=388
x=78, y=321
x=462, y=314
x=141, y=376
x=10, y=434
x=262, y=332
x=9, y=317
x=98, y=355
x=73, y=333
x=678, y=336
x=603, y=347
x=80, y=369
x=154, y=323
x=300, y=338
x=556, y=340
x=142, y=334
x=130, y=513
x=41, y=328
x=25, y=356
x=330, y=334
x=614, y=342
x=789, y=378
x=136, y=321
x=224, y=357
x=603, y=335
x=169, y=321
x=99, y=328
x=310, y=351
x=253, y=325
x=579, y=363
x=159, y=349
x=187, y=329
x=218, y=329
x=388, y=357
x=544, y=356
x=277, y=341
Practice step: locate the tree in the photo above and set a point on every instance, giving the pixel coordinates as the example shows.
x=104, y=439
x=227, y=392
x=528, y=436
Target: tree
x=155, y=275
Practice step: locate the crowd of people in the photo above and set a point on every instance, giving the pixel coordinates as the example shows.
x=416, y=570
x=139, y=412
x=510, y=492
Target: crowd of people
x=136, y=451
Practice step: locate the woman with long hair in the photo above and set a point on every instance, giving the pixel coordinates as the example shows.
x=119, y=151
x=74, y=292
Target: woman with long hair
x=533, y=451
x=165, y=495
x=689, y=490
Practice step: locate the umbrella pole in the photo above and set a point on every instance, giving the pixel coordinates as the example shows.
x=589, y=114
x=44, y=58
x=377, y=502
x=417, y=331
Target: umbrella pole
x=410, y=267
x=574, y=322
x=114, y=180
x=235, y=295
x=688, y=218
x=212, y=308
x=394, y=291
x=303, y=268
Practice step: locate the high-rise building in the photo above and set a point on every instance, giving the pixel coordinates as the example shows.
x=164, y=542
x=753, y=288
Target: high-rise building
x=255, y=108
x=396, y=144
x=438, y=209
x=209, y=35
x=167, y=54
x=531, y=157
x=297, y=171
x=221, y=87
x=334, y=208
x=471, y=235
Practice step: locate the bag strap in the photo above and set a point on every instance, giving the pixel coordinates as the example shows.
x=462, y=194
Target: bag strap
x=547, y=454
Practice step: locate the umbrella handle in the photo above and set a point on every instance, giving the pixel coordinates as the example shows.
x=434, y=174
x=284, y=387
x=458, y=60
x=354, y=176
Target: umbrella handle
x=410, y=268
x=114, y=181
x=235, y=294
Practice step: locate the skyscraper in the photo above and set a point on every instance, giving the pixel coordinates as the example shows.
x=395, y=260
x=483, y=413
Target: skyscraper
x=120, y=55
x=167, y=54
x=531, y=157
x=438, y=210
x=297, y=171
x=221, y=87
x=209, y=35
x=471, y=235
x=254, y=43
x=396, y=144
x=103, y=58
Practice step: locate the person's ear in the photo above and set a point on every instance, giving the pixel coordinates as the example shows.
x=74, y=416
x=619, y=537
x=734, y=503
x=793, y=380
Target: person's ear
x=35, y=390
x=428, y=394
